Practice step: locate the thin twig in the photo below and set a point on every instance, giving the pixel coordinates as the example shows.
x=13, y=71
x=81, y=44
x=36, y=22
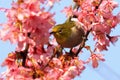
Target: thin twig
x=83, y=43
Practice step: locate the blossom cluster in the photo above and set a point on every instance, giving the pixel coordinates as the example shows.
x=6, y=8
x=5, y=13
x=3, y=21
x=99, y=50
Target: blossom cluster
x=36, y=57
x=97, y=16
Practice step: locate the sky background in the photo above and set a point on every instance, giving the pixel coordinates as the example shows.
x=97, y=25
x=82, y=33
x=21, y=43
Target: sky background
x=109, y=70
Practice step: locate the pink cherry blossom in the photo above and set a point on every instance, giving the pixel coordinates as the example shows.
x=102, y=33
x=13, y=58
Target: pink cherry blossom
x=68, y=11
x=76, y=67
x=113, y=39
x=100, y=47
x=95, y=58
x=37, y=55
x=23, y=19
x=10, y=60
x=18, y=73
x=51, y=2
x=118, y=17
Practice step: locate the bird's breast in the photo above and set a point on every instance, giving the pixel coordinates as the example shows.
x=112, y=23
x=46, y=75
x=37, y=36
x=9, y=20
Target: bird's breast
x=74, y=39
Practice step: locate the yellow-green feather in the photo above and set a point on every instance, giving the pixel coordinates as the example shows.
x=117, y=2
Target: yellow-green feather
x=67, y=34
x=66, y=27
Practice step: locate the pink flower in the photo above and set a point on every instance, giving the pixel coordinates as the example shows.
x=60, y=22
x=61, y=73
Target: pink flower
x=19, y=73
x=99, y=47
x=68, y=11
x=95, y=58
x=108, y=6
x=118, y=17
x=28, y=24
x=87, y=19
x=51, y=2
x=70, y=73
x=87, y=5
x=27, y=18
x=74, y=69
x=113, y=39
x=54, y=74
x=98, y=28
x=101, y=38
x=39, y=27
x=10, y=60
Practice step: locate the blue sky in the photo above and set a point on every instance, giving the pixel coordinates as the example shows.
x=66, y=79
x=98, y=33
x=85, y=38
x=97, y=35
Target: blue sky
x=109, y=70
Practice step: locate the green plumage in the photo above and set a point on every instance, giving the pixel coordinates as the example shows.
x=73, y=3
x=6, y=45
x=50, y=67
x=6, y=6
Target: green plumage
x=67, y=34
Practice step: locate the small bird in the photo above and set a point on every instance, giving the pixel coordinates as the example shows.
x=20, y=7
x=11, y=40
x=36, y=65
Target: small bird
x=69, y=34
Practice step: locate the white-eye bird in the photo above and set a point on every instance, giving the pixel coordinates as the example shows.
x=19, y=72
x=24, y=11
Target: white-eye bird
x=68, y=34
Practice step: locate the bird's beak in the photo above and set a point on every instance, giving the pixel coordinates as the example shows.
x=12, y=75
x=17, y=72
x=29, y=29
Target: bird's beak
x=52, y=32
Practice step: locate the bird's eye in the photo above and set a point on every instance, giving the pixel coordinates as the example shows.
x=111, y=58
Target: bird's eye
x=60, y=30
